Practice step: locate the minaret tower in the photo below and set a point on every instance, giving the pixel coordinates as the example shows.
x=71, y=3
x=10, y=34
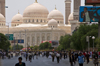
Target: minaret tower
x=67, y=10
x=2, y=7
x=77, y=4
x=36, y=1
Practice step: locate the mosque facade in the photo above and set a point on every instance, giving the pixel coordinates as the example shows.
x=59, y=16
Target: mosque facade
x=37, y=24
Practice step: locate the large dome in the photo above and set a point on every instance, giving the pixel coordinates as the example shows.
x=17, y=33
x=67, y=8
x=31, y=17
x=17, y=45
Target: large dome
x=17, y=18
x=35, y=10
x=2, y=18
x=57, y=15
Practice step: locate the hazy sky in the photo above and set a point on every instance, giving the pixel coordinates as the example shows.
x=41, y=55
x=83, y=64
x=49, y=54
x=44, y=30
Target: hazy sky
x=15, y=5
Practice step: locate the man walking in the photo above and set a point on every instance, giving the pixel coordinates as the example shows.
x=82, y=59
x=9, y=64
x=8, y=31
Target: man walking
x=20, y=63
x=80, y=59
x=53, y=56
x=58, y=57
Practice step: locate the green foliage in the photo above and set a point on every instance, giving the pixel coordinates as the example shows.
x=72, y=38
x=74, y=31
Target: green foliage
x=17, y=47
x=45, y=45
x=98, y=43
x=59, y=47
x=31, y=47
x=79, y=37
x=35, y=47
x=10, y=47
x=64, y=42
x=4, y=42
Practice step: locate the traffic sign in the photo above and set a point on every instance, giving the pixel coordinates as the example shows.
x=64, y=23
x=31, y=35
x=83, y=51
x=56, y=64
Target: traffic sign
x=9, y=36
x=20, y=40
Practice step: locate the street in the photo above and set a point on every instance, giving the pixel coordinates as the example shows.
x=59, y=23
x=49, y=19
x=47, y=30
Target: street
x=41, y=61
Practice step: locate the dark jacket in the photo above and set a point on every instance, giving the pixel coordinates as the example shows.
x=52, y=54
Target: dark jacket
x=90, y=15
x=22, y=63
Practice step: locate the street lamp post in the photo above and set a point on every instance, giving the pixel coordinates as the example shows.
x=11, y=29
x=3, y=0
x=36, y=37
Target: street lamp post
x=25, y=39
x=93, y=42
x=14, y=43
x=87, y=39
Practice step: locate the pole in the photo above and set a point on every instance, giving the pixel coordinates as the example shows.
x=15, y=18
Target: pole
x=87, y=39
x=88, y=45
x=8, y=31
x=8, y=28
x=52, y=34
x=99, y=29
x=14, y=43
x=17, y=45
x=25, y=39
x=0, y=61
x=93, y=45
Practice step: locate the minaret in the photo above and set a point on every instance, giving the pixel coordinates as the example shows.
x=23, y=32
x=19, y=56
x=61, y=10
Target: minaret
x=36, y=1
x=18, y=12
x=67, y=10
x=2, y=7
x=77, y=4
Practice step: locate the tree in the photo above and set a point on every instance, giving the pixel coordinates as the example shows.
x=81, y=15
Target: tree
x=17, y=47
x=45, y=45
x=65, y=41
x=35, y=47
x=98, y=43
x=59, y=47
x=4, y=42
x=31, y=47
x=79, y=37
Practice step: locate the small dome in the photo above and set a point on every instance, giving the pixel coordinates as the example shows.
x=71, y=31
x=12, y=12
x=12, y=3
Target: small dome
x=17, y=18
x=55, y=14
x=2, y=17
x=71, y=16
x=35, y=10
x=53, y=22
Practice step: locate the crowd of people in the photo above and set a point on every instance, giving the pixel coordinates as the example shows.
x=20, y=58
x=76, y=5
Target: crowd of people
x=74, y=56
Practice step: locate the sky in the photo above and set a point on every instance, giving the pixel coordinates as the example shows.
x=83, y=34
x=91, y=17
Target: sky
x=15, y=5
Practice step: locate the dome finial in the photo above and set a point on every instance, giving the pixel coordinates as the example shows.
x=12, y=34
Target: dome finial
x=55, y=7
x=36, y=1
x=18, y=12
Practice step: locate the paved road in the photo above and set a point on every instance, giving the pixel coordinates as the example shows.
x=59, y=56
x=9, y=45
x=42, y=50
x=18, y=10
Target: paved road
x=42, y=61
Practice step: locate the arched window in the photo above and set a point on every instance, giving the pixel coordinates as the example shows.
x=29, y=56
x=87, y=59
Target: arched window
x=33, y=40
x=38, y=40
x=48, y=38
x=43, y=38
x=58, y=21
x=41, y=20
x=56, y=38
x=29, y=20
x=18, y=20
x=33, y=20
x=37, y=20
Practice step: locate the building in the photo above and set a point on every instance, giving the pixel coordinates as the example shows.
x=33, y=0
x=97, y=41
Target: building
x=2, y=7
x=37, y=24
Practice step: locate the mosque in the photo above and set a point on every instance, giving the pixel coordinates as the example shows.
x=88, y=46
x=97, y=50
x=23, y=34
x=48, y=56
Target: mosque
x=37, y=24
